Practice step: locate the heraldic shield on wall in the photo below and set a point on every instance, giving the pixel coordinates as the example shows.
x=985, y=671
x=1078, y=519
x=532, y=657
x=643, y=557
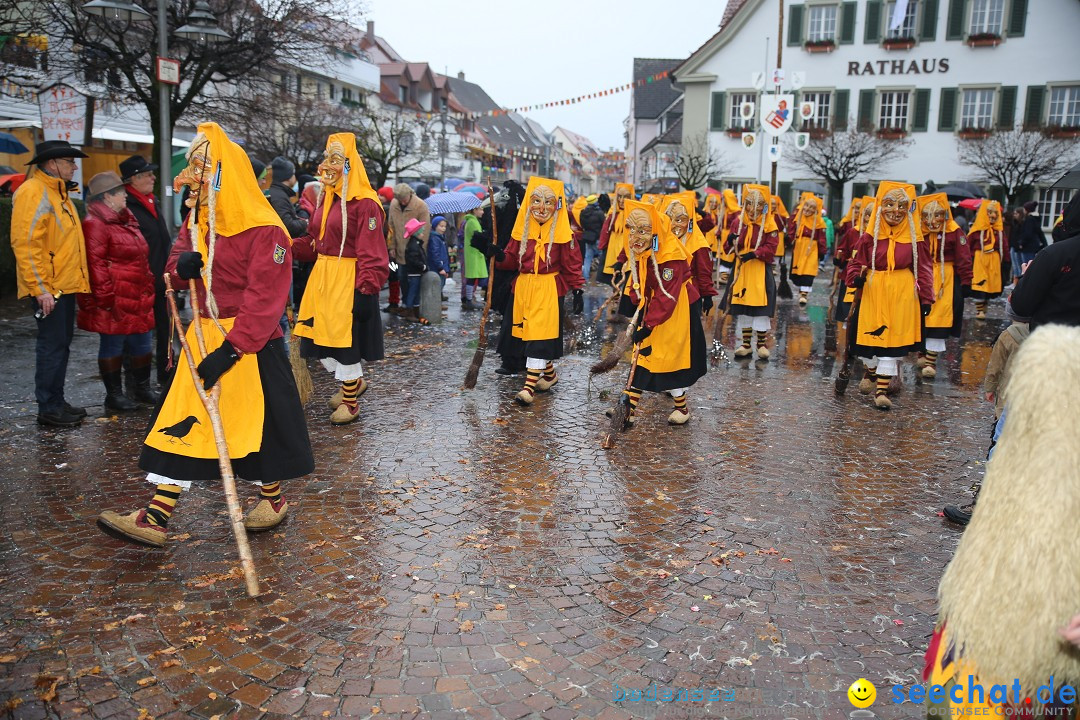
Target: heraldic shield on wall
x=777, y=112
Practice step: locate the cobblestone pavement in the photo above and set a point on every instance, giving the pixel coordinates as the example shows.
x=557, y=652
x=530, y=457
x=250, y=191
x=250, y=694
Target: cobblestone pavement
x=453, y=555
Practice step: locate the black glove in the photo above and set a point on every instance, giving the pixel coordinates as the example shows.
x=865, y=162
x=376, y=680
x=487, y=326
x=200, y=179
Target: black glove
x=640, y=334
x=965, y=291
x=217, y=364
x=925, y=309
x=707, y=303
x=859, y=281
x=480, y=241
x=748, y=256
x=491, y=251
x=188, y=265
x=579, y=302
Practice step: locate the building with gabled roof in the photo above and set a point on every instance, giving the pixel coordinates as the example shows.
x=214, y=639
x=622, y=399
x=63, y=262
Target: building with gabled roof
x=648, y=103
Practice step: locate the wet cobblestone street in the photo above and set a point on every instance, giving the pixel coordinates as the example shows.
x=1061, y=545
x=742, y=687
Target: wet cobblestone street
x=456, y=556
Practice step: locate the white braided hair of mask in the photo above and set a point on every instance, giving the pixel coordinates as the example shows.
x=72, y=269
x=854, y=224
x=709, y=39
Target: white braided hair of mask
x=211, y=244
x=656, y=272
x=344, y=211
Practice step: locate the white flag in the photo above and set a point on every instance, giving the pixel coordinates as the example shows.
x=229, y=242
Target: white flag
x=898, y=14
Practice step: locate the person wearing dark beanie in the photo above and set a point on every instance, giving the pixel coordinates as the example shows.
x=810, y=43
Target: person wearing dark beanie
x=1028, y=237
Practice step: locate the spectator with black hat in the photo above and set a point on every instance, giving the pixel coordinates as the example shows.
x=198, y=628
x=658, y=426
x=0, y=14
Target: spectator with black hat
x=139, y=177
x=282, y=195
x=50, y=257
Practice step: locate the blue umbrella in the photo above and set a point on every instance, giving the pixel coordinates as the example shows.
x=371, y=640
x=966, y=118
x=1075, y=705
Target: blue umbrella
x=451, y=183
x=10, y=144
x=452, y=202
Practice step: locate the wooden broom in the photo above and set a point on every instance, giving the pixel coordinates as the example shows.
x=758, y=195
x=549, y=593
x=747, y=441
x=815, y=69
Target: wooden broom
x=622, y=344
x=621, y=413
x=210, y=401
x=481, y=344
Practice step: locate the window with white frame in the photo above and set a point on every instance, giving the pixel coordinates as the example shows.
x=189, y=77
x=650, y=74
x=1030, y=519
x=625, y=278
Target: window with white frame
x=893, y=109
x=821, y=23
x=908, y=19
x=820, y=120
x=1064, y=106
x=735, y=118
x=977, y=109
x=987, y=17
x=1052, y=202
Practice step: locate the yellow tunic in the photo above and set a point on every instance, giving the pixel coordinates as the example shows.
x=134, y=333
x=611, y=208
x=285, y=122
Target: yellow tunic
x=326, y=315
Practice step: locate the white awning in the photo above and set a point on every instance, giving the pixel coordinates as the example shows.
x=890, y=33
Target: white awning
x=145, y=139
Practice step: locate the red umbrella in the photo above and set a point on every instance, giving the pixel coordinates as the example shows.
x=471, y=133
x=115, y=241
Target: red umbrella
x=970, y=203
x=475, y=188
x=712, y=191
x=11, y=183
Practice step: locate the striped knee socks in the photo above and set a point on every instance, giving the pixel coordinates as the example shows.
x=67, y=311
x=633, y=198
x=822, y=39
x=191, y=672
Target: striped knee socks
x=162, y=505
x=349, y=392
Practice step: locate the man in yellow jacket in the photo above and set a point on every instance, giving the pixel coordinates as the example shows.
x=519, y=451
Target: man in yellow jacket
x=50, y=257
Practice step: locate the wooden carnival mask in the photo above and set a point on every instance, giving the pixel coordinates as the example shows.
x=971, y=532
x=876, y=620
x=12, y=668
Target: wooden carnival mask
x=197, y=175
x=867, y=215
x=895, y=206
x=680, y=219
x=933, y=216
x=754, y=205
x=856, y=209
x=639, y=230
x=809, y=208
x=543, y=203
x=333, y=164
x=993, y=213
x=621, y=194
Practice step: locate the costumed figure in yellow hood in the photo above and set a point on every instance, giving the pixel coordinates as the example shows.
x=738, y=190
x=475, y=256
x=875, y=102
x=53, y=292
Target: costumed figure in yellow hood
x=680, y=211
x=1007, y=602
x=548, y=262
x=236, y=248
x=669, y=335
x=752, y=292
x=729, y=213
x=710, y=216
x=780, y=217
x=862, y=211
x=892, y=265
x=613, y=235
x=952, y=269
x=807, y=232
x=987, y=240
x=339, y=321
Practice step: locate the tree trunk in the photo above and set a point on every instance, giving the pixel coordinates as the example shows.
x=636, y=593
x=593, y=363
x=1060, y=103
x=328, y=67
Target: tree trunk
x=836, y=199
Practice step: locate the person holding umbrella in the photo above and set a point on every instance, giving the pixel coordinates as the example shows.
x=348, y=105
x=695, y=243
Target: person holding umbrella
x=50, y=261
x=987, y=238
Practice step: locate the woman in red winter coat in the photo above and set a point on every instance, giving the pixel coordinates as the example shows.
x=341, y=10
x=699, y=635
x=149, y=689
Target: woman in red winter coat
x=120, y=305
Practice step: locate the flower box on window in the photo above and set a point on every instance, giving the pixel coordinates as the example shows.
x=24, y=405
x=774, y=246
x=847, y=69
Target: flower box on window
x=736, y=132
x=984, y=40
x=892, y=133
x=817, y=133
x=899, y=43
x=819, y=46
x=973, y=133
x=1062, y=131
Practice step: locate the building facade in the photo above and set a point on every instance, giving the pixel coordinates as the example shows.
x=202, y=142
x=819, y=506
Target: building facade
x=932, y=71
x=649, y=104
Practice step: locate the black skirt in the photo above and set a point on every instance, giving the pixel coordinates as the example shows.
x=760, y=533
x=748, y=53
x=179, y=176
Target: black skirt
x=627, y=308
x=766, y=310
x=285, y=451
x=659, y=382
x=510, y=346
x=802, y=280
x=957, y=318
x=367, y=335
x=842, y=308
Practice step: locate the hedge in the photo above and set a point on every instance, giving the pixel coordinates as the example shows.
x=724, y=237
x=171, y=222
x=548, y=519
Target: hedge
x=7, y=257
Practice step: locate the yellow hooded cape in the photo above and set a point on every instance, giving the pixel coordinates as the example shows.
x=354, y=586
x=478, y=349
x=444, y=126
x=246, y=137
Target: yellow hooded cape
x=695, y=239
x=554, y=231
x=354, y=179
x=982, y=218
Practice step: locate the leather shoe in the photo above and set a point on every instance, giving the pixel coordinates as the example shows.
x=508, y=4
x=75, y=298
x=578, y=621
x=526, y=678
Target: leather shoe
x=72, y=410
x=59, y=418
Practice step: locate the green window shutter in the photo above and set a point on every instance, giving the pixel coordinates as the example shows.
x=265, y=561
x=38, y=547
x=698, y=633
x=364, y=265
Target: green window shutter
x=1017, y=18
x=954, y=28
x=1007, y=108
x=921, y=121
x=847, y=22
x=840, y=109
x=1036, y=101
x=795, y=25
x=873, y=22
x=783, y=189
x=947, y=111
x=866, y=109
x=859, y=189
x=997, y=192
x=718, y=107
x=928, y=32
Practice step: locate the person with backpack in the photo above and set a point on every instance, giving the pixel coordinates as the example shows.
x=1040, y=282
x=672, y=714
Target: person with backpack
x=415, y=267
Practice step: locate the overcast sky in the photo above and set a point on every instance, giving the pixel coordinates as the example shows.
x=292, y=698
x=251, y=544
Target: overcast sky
x=534, y=52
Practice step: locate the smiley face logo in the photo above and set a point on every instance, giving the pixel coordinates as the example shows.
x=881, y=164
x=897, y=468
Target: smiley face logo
x=862, y=693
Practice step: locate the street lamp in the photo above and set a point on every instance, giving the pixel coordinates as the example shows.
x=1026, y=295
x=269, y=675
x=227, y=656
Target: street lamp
x=201, y=27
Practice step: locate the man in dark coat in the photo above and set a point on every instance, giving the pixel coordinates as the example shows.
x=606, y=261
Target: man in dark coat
x=139, y=178
x=1028, y=237
x=592, y=222
x=282, y=196
x=1049, y=289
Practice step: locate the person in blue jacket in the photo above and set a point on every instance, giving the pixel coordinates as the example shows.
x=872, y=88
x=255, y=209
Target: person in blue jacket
x=438, y=255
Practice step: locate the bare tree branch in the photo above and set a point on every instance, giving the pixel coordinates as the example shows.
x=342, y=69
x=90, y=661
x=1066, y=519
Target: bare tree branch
x=1017, y=159
x=696, y=163
x=391, y=142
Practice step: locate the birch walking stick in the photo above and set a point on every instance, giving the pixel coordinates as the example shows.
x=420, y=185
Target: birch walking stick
x=210, y=401
x=481, y=344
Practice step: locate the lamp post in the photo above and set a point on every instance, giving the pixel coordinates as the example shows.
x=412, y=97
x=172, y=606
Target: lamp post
x=201, y=28
x=444, y=148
